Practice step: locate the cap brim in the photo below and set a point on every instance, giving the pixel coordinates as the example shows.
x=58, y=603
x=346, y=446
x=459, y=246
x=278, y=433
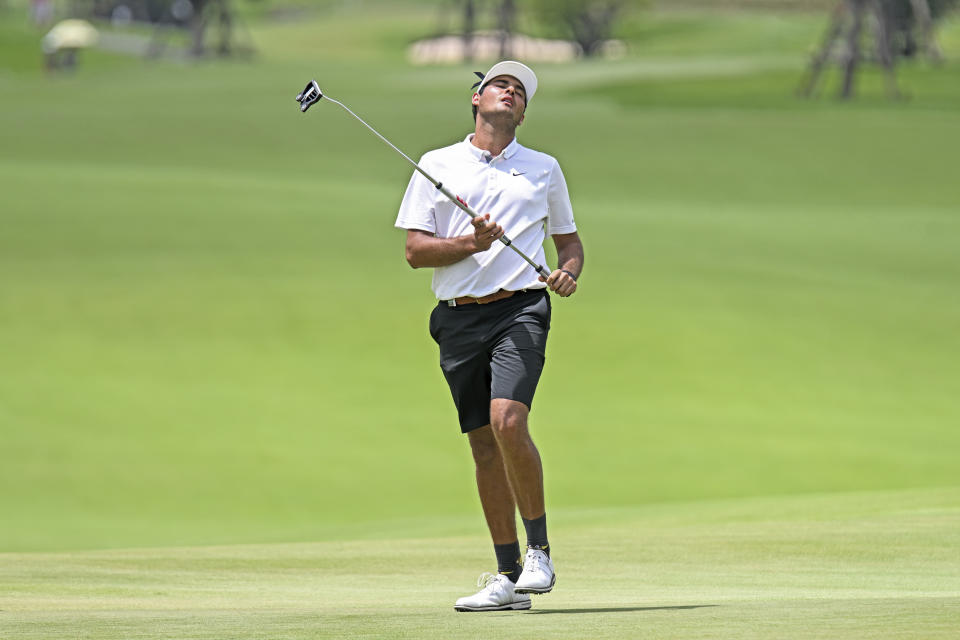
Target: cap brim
x=518, y=70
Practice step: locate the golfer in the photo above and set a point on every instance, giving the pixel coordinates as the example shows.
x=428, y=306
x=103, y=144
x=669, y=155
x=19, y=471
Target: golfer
x=493, y=314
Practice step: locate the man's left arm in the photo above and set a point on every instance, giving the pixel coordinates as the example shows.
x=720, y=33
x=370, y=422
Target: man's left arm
x=563, y=281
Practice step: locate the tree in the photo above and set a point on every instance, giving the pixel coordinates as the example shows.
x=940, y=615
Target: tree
x=589, y=22
x=911, y=25
x=897, y=27
x=204, y=12
x=469, y=26
x=506, y=19
x=196, y=18
x=506, y=16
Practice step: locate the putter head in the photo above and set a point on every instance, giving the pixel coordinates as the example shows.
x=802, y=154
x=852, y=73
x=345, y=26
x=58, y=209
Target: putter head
x=310, y=94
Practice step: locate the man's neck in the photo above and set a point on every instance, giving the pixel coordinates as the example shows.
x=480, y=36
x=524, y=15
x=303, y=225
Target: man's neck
x=491, y=138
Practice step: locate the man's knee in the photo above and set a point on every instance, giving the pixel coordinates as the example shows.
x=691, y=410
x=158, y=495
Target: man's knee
x=484, y=446
x=508, y=419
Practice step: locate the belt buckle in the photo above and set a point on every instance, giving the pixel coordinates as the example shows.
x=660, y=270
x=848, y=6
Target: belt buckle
x=451, y=302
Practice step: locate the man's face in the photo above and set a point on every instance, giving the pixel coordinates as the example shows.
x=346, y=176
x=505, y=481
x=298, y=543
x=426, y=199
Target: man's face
x=502, y=95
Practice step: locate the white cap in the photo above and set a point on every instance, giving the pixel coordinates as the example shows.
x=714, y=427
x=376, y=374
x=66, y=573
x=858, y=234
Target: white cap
x=518, y=70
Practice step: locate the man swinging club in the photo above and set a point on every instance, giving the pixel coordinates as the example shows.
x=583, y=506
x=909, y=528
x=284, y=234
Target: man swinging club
x=493, y=314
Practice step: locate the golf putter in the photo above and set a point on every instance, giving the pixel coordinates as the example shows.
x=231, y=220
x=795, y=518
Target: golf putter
x=312, y=94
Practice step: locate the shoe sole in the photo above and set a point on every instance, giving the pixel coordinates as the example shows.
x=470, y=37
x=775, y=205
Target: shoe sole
x=536, y=591
x=516, y=606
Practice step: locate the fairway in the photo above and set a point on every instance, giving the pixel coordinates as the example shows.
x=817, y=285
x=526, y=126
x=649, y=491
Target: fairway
x=870, y=565
x=221, y=414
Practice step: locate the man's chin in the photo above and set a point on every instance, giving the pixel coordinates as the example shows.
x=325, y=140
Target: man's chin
x=503, y=116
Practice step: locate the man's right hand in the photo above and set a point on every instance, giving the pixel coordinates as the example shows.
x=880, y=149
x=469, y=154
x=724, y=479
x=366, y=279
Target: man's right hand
x=485, y=232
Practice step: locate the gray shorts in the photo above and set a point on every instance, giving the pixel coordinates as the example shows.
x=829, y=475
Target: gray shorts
x=493, y=350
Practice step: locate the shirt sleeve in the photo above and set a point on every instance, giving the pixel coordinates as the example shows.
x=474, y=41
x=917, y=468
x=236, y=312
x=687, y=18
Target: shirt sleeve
x=559, y=209
x=417, y=210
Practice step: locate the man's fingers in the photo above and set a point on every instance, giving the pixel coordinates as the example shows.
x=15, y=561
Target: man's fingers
x=486, y=231
x=560, y=283
x=552, y=280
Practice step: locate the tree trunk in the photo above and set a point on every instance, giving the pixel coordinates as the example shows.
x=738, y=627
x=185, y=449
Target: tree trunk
x=826, y=49
x=506, y=16
x=591, y=28
x=853, y=42
x=885, y=48
x=198, y=28
x=226, y=27
x=469, y=25
x=924, y=18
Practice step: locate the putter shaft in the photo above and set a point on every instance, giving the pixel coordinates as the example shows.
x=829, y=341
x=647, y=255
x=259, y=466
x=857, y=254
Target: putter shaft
x=540, y=269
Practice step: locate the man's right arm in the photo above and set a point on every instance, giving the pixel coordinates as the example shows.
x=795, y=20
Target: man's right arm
x=424, y=249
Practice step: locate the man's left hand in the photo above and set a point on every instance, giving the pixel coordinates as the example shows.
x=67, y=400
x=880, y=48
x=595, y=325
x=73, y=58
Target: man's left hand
x=561, y=283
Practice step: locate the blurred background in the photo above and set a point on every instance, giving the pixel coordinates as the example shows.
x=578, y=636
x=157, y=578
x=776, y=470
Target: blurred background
x=209, y=334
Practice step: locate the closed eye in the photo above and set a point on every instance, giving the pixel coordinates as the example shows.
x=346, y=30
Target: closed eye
x=503, y=84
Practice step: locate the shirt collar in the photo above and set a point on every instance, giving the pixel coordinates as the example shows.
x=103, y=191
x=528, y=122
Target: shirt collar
x=482, y=155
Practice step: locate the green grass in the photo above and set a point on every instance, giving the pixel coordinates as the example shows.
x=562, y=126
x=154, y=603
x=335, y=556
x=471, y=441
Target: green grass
x=209, y=336
x=869, y=565
x=185, y=311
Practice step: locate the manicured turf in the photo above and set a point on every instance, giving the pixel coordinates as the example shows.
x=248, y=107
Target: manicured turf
x=208, y=336
x=870, y=565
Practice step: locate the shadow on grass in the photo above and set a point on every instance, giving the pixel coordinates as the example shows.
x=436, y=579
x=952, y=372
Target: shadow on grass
x=621, y=609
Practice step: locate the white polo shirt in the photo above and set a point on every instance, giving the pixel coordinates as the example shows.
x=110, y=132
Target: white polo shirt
x=523, y=191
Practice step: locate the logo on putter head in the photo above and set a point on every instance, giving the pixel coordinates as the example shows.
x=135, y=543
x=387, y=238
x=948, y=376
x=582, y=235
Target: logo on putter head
x=310, y=94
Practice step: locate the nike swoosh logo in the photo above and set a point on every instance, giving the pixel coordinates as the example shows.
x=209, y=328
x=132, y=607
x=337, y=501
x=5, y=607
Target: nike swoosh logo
x=514, y=172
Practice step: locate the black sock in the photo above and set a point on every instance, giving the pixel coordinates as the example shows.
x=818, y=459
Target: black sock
x=508, y=560
x=537, y=533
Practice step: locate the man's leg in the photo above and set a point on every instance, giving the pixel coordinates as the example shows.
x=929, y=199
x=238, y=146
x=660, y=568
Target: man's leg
x=496, y=496
x=508, y=419
x=521, y=460
x=497, y=592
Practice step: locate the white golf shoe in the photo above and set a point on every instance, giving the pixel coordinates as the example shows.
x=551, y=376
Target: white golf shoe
x=496, y=594
x=538, y=575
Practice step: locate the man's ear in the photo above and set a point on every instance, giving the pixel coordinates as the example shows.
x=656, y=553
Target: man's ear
x=476, y=100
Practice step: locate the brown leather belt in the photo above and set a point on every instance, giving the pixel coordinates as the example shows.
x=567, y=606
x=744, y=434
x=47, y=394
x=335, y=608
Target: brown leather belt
x=493, y=297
